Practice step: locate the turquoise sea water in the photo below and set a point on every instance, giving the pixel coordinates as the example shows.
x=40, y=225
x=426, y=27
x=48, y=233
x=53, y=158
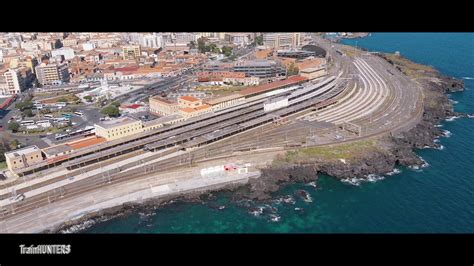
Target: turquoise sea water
x=438, y=198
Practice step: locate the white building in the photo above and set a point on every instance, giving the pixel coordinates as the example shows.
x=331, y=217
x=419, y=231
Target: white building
x=13, y=82
x=67, y=52
x=29, y=46
x=151, y=40
x=88, y=46
x=282, y=40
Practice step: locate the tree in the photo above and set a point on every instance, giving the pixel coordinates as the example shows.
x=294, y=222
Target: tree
x=192, y=45
x=24, y=105
x=259, y=40
x=13, y=126
x=28, y=113
x=15, y=144
x=227, y=50
x=62, y=99
x=111, y=111
x=292, y=70
x=88, y=98
x=201, y=45
x=116, y=104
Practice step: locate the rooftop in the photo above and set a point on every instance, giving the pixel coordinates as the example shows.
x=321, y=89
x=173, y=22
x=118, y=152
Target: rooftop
x=189, y=98
x=162, y=120
x=86, y=142
x=218, y=100
x=20, y=152
x=117, y=122
x=53, y=150
x=161, y=99
x=273, y=85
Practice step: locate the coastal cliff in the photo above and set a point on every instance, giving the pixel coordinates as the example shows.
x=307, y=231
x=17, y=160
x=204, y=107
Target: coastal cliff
x=376, y=156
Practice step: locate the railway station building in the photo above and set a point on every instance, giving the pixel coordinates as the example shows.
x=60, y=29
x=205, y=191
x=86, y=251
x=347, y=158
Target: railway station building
x=23, y=157
x=119, y=128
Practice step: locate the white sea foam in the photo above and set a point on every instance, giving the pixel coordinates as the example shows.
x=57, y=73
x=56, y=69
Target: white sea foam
x=470, y=116
x=451, y=118
x=352, y=181
x=275, y=218
x=394, y=172
x=447, y=133
x=469, y=78
x=78, y=227
x=258, y=211
x=313, y=184
x=439, y=125
x=441, y=147
x=374, y=178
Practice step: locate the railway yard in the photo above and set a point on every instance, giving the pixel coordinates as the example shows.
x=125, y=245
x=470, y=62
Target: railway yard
x=362, y=96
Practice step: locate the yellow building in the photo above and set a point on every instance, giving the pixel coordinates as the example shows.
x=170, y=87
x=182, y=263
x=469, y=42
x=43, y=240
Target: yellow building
x=131, y=51
x=118, y=128
x=313, y=72
x=189, y=101
x=189, y=112
x=161, y=106
x=225, y=101
x=22, y=158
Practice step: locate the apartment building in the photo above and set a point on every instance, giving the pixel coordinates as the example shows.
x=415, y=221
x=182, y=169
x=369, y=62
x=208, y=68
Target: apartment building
x=48, y=74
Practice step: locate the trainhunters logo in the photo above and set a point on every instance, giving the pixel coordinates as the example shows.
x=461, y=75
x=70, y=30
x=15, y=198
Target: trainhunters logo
x=45, y=249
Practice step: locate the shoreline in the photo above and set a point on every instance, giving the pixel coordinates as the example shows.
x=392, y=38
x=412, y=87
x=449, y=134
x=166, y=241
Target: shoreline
x=400, y=150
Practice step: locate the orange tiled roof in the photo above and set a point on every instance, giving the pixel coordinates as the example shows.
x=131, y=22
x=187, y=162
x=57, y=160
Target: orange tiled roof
x=86, y=142
x=189, y=98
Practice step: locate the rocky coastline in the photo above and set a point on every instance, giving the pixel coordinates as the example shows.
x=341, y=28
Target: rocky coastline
x=399, y=150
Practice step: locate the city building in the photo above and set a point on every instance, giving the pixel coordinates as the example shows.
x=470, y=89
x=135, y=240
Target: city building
x=184, y=37
x=282, y=40
x=295, y=53
x=189, y=101
x=118, y=128
x=66, y=52
x=188, y=112
x=88, y=46
x=239, y=81
x=313, y=72
x=48, y=74
x=131, y=51
x=161, y=106
x=240, y=39
x=152, y=41
x=217, y=67
x=273, y=86
x=24, y=157
x=225, y=101
x=133, y=108
x=13, y=81
x=260, y=68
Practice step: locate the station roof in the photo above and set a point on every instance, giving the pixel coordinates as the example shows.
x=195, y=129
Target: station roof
x=273, y=85
x=222, y=99
x=189, y=98
x=23, y=151
x=117, y=123
x=53, y=150
x=86, y=142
